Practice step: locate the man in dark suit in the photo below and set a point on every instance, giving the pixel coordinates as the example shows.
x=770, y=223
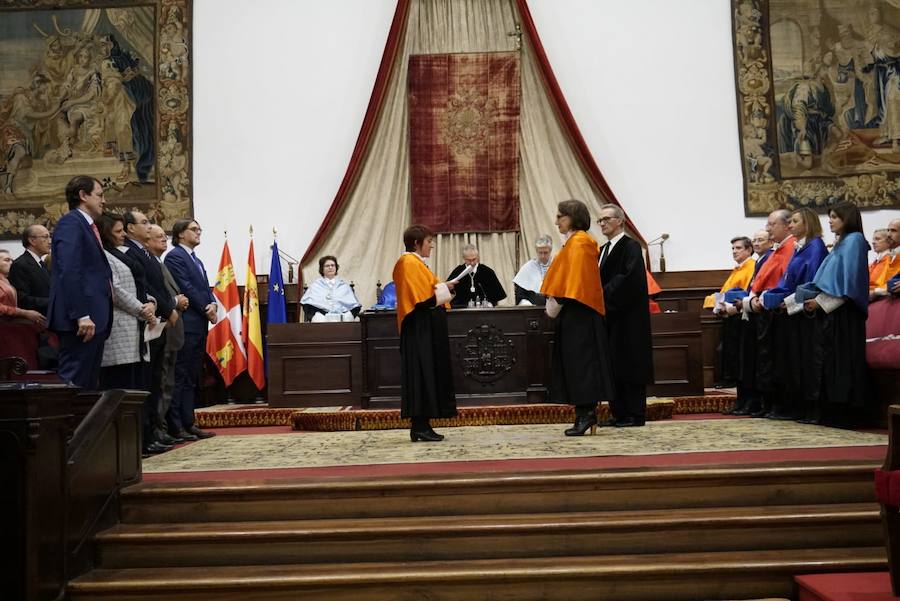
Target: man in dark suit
x=137, y=230
x=157, y=244
x=624, y=279
x=80, y=306
x=191, y=278
x=29, y=274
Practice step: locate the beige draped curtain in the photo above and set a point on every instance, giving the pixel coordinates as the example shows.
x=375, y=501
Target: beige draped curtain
x=367, y=236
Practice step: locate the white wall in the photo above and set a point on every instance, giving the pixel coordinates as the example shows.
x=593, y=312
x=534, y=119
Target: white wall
x=281, y=88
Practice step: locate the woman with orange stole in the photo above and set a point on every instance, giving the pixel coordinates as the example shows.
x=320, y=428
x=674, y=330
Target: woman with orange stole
x=581, y=374
x=426, y=384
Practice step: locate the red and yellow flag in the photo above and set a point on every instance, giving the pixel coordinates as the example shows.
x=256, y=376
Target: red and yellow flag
x=224, y=344
x=251, y=334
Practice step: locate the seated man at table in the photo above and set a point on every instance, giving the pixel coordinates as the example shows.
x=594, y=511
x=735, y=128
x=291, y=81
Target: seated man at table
x=480, y=284
x=528, y=281
x=329, y=298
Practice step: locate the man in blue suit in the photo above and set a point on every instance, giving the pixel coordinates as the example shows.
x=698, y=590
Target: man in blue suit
x=80, y=306
x=191, y=277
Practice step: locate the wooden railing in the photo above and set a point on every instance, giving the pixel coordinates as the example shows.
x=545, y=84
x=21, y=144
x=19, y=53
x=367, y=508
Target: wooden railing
x=60, y=480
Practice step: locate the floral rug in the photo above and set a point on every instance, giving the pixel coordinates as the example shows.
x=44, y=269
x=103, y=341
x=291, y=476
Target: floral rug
x=470, y=443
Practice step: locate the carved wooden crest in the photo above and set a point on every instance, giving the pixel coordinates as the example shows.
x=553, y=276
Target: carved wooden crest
x=486, y=354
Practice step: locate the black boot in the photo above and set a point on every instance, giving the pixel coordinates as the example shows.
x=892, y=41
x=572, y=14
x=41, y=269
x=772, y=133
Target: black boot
x=421, y=430
x=585, y=418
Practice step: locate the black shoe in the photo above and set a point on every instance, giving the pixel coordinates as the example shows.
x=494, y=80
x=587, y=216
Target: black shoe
x=778, y=416
x=629, y=422
x=583, y=423
x=428, y=435
x=760, y=413
x=155, y=448
x=200, y=433
x=739, y=412
x=185, y=436
x=166, y=439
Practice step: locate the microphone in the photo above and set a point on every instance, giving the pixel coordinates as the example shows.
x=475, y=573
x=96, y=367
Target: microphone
x=662, y=253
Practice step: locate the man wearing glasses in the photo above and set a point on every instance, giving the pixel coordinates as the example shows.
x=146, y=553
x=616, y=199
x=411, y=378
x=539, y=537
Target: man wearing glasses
x=29, y=274
x=624, y=279
x=190, y=275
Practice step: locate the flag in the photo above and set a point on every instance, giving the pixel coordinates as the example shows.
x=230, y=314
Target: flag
x=224, y=344
x=277, y=309
x=252, y=331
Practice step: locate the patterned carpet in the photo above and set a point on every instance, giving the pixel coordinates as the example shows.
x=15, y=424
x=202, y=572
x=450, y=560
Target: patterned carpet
x=321, y=449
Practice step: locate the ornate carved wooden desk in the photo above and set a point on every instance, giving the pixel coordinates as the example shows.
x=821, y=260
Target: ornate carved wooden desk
x=499, y=356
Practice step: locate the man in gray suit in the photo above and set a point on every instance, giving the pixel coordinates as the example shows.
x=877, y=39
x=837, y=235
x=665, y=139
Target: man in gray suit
x=157, y=244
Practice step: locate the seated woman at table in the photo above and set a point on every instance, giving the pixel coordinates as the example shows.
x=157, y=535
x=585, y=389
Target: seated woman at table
x=329, y=295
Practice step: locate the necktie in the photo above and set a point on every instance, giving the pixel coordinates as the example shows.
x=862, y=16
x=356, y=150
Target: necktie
x=197, y=262
x=97, y=234
x=43, y=265
x=605, y=253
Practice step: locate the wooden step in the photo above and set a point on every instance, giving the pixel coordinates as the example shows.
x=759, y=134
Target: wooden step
x=663, y=577
x=490, y=536
x=491, y=493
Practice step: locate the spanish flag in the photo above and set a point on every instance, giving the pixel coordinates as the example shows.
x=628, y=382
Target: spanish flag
x=251, y=335
x=224, y=344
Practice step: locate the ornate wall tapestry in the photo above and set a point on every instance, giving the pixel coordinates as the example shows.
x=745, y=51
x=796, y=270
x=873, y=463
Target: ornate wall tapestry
x=464, y=132
x=818, y=89
x=96, y=88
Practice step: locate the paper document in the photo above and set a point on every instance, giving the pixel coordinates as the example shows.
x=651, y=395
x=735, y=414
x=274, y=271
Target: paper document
x=155, y=331
x=469, y=269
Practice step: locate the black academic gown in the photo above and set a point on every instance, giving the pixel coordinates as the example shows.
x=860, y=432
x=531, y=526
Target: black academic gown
x=485, y=283
x=627, y=315
x=580, y=360
x=427, y=383
x=624, y=280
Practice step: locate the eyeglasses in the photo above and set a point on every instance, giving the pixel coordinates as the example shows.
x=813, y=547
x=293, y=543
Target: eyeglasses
x=44, y=237
x=196, y=228
x=605, y=219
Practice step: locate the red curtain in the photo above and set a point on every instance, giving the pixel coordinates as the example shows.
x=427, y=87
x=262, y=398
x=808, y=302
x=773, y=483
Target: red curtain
x=464, y=124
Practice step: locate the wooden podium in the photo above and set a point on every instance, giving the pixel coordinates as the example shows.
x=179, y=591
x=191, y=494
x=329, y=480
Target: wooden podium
x=499, y=356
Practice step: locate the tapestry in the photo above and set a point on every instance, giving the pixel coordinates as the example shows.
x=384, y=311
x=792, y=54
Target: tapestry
x=99, y=88
x=464, y=152
x=818, y=92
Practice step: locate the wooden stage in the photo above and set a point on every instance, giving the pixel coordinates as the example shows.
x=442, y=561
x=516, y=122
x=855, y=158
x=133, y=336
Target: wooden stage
x=668, y=527
x=691, y=533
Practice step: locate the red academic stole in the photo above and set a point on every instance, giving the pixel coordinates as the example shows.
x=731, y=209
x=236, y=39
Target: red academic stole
x=774, y=267
x=414, y=283
x=574, y=273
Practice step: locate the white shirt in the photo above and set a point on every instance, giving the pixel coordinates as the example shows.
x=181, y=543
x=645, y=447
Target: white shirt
x=34, y=255
x=86, y=216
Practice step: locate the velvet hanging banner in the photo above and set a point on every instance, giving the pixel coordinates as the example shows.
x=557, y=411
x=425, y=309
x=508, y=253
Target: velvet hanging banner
x=464, y=132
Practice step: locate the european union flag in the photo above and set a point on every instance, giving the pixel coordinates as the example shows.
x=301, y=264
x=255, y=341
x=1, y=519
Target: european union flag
x=277, y=309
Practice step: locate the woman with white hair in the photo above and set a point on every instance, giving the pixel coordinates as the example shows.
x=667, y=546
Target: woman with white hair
x=528, y=281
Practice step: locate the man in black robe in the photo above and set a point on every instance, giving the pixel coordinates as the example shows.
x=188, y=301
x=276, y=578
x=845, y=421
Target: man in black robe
x=624, y=279
x=481, y=284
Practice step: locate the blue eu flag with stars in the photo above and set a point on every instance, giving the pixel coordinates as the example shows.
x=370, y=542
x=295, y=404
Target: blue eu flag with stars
x=277, y=309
